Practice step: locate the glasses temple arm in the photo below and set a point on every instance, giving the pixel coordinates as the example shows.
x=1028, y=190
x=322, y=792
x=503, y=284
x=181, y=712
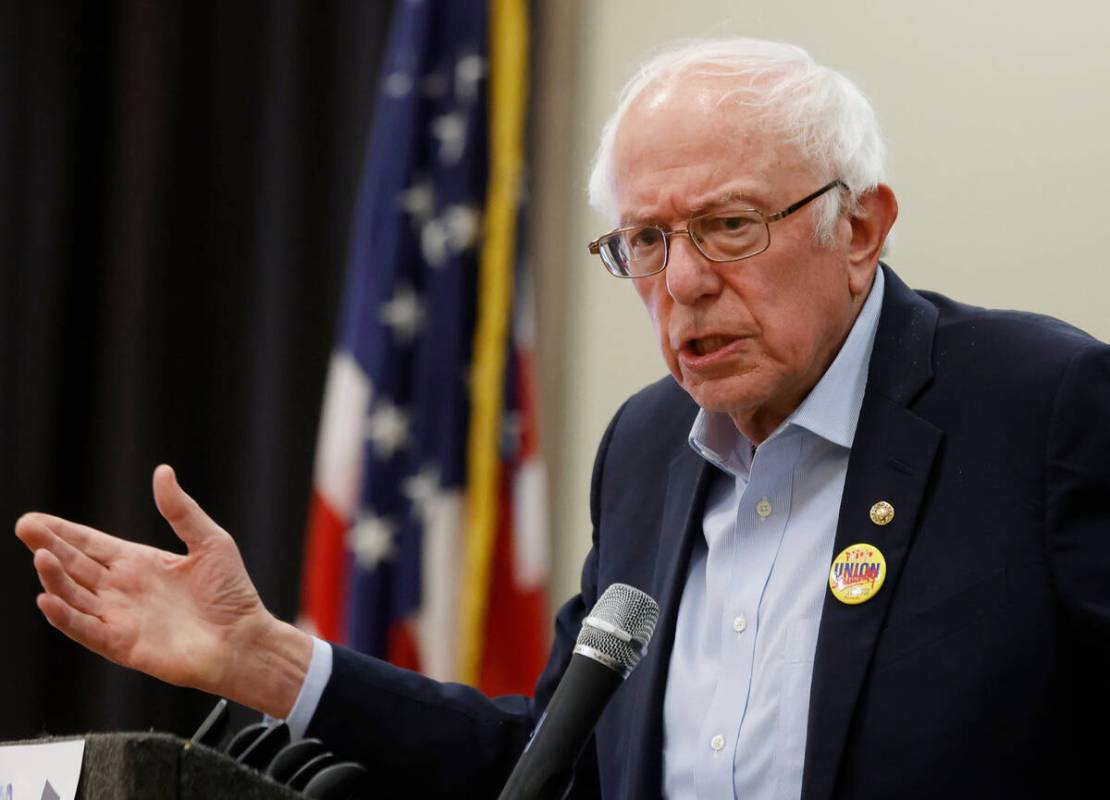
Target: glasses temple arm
x=809, y=198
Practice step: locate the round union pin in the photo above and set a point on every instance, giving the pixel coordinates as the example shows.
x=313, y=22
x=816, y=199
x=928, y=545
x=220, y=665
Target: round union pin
x=857, y=574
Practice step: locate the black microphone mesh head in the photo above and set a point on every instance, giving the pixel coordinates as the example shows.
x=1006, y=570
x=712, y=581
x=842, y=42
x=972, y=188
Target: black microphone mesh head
x=619, y=627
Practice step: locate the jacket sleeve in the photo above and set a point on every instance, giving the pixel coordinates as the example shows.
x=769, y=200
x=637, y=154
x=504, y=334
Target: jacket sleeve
x=1077, y=493
x=430, y=739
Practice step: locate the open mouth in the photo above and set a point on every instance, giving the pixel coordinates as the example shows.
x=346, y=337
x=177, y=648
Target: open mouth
x=709, y=344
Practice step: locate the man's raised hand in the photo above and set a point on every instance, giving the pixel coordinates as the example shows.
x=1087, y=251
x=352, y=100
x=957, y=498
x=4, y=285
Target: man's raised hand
x=193, y=620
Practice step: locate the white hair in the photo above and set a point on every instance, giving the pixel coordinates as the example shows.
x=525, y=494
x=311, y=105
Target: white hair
x=822, y=113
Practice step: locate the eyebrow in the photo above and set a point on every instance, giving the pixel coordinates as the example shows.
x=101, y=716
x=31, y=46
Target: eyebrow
x=712, y=205
x=725, y=199
x=700, y=208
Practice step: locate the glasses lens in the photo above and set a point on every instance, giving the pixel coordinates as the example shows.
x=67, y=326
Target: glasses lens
x=727, y=235
x=633, y=252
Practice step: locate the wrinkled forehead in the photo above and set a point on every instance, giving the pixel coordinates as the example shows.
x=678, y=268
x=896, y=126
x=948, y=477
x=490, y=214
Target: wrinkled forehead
x=694, y=137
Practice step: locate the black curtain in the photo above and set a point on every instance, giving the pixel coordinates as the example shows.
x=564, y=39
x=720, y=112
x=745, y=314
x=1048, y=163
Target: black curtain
x=176, y=182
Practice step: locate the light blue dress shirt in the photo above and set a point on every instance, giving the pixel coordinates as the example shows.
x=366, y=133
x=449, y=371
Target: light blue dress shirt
x=737, y=695
x=737, y=699
x=315, y=681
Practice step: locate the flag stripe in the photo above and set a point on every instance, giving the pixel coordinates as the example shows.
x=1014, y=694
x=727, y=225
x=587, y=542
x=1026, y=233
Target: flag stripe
x=437, y=624
x=325, y=570
x=337, y=471
x=508, y=85
x=515, y=641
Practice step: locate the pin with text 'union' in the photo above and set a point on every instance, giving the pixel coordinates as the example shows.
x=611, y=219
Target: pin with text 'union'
x=857, y=574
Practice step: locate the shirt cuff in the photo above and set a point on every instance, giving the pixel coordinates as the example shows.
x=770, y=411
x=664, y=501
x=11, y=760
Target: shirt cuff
x=319, y=672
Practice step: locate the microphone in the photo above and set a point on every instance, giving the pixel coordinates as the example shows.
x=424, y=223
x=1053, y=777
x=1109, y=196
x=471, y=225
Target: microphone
x=611, y=643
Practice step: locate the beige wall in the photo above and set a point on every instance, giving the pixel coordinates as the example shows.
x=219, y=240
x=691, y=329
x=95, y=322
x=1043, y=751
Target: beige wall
x=997, y=116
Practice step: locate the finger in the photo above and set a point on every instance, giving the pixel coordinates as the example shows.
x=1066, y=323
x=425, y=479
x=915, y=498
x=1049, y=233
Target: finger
x=185, y=516
x=30, y=530
x=83, y=628
x=58, y=582
x=95, y=544
x=86, y=571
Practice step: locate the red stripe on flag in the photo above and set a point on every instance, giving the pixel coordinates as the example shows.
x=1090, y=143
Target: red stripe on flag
x=515, y=636
x=529, y=404
x=324, y=582
x=402, y=648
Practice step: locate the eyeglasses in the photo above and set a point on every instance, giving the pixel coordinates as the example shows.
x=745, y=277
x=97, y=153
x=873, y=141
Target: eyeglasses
x=730, y=234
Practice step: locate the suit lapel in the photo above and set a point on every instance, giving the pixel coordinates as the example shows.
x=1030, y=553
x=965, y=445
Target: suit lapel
x=892, y=457
x=687, y=484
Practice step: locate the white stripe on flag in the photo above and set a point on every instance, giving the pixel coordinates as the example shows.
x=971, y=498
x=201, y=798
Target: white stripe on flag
x=338, y=470
x=437, y=624
x=531, y=544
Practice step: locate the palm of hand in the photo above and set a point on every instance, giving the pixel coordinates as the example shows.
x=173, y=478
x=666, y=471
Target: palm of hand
x=180, y=618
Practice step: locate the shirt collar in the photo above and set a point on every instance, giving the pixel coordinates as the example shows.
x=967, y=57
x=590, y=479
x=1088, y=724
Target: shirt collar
x=830, y=410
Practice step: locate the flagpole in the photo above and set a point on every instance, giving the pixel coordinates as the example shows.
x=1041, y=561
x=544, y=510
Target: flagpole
x=508, y=94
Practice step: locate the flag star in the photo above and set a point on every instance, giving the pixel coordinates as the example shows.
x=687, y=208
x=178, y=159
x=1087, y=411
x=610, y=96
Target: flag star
x=419, y=488
x=469, y=70
x=404, y=314
x=419, y=200
x=462, y=224
x=450, y=131
x=434, y=238
x=452, y=233
x=387, y=428
x=424, y=492
x=371, y=540
x=398, y=84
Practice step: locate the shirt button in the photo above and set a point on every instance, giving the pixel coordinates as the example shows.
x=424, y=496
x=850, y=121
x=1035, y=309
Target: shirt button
x=717, y=743
x=764, y=508
x=740, y=624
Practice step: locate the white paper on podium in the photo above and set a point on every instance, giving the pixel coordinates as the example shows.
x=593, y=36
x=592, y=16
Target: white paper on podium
x=47, y=771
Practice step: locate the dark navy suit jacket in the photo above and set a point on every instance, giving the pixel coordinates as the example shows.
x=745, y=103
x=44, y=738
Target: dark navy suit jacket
x=978, y=670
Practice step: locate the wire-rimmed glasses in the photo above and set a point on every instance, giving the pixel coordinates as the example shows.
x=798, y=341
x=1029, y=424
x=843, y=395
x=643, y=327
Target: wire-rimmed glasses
x=728, y=234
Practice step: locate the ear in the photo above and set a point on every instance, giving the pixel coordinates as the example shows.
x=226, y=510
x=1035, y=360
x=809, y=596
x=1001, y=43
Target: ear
x=878, y=209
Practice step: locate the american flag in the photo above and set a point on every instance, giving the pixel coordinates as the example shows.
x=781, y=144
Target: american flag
x=426, y=533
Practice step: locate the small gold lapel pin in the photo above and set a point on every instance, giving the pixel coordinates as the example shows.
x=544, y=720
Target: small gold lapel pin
x=882, y=513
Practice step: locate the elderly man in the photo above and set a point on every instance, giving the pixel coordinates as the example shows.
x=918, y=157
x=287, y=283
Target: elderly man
x=877, y=521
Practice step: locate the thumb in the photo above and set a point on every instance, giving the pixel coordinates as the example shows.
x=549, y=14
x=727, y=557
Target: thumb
x=182, y=512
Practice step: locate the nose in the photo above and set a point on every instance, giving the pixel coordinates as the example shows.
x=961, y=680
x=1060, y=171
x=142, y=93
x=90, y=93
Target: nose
x=690, y=275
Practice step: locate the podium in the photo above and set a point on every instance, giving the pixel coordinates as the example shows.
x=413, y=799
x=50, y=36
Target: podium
x=154, y=766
